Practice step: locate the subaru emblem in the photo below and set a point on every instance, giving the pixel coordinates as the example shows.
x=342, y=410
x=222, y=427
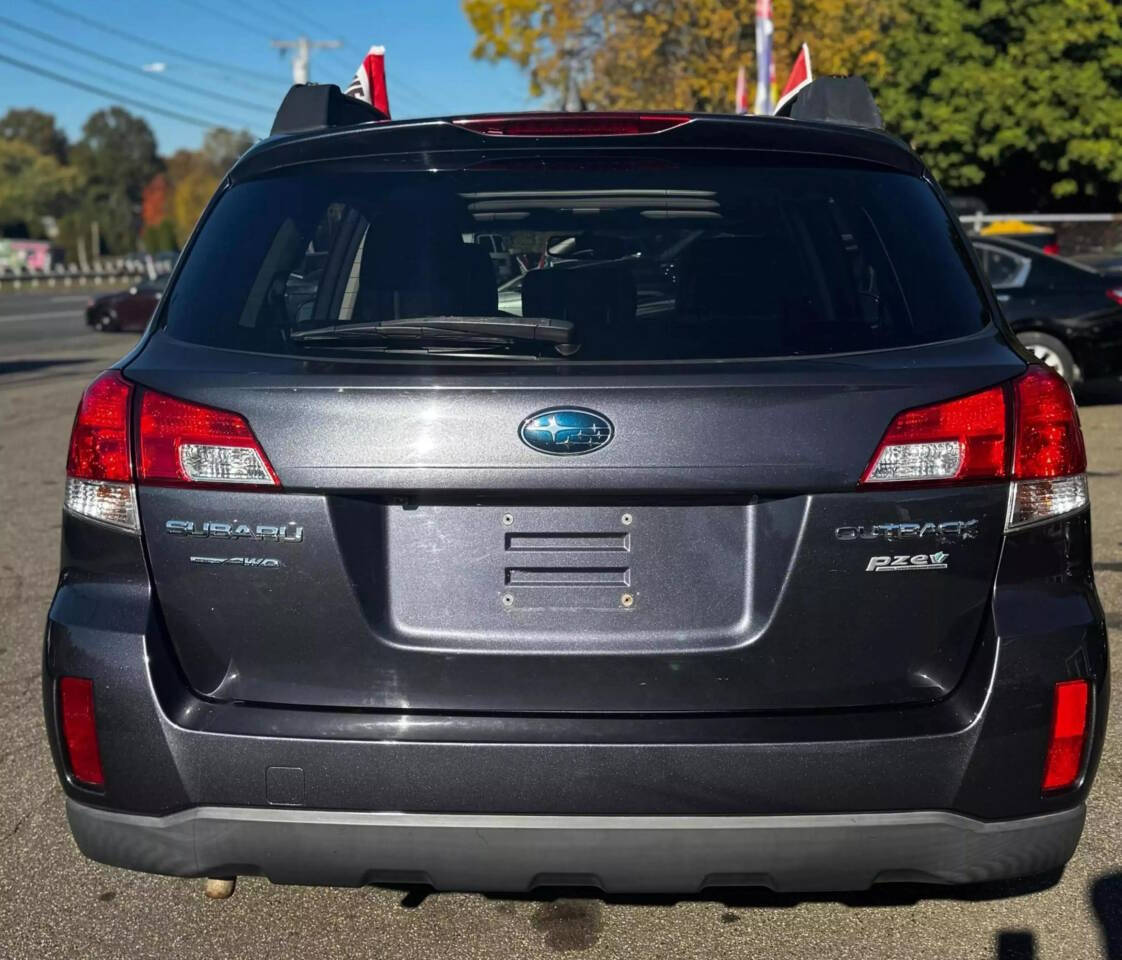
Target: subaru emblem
x=564, y=432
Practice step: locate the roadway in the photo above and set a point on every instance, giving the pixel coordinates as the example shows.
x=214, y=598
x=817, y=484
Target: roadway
x=54, y=903
x=32, y=322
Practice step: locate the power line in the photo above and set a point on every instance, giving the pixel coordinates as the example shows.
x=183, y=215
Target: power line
x=319, y=27
x=102, y=92
x=303, y=22
x=93, y=75
x=300, y=49
x=148, y=43
x=226, y=17
x=131, y=68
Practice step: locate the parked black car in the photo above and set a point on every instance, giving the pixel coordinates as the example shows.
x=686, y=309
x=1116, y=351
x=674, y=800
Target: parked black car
x=788, y=583
x=129, y=309
x=1069, y=315
x=1107, y=261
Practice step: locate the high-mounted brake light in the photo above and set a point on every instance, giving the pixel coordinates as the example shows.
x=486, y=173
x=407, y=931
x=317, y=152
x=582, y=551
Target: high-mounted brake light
x=1068, y=735
x=99, y=464
x=574, y=124
x=973, y=439
x=79, y=730
x=188, y=443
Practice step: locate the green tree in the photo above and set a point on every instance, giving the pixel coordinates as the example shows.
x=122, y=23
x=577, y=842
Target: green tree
x=32, y=186
x=222, y=147
x=159, y=236
x=117, y=152
x=37, y=129
x=1020, y=100
x=117, y=158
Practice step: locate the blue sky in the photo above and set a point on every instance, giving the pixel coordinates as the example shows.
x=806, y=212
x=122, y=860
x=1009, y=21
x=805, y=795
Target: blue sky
x=428, y=56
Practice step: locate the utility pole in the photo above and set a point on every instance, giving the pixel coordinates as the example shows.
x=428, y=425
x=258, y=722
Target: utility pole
x=302, y=49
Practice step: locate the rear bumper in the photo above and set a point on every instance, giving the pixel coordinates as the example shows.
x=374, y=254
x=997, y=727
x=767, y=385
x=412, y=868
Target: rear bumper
x=621, y=854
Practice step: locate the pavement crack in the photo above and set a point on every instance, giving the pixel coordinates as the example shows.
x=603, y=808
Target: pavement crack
x=24, y=817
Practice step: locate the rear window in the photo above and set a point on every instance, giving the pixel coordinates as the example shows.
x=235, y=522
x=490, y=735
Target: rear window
x=568, y=263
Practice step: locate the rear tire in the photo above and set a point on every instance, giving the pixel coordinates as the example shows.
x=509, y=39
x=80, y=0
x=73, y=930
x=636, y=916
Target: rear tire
x=105, y=323
x=1051, y=352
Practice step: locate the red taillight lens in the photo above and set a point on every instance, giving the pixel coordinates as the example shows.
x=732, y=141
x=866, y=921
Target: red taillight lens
x=182, y=442
x=1069, y=734
x=1048, y=440
x=1048, y=456
x=99, y=464
x=961, y=439
x=79, y=730
x=573, y=125
x=1115, y=295
x=966, y=440
x=99, y=442
x=1052, y=249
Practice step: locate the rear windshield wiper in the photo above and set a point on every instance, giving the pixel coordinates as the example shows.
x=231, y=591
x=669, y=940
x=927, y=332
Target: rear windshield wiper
x=472, y=329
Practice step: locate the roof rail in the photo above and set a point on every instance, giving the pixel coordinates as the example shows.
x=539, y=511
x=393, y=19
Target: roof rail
x=835, y=100
x=309, y=106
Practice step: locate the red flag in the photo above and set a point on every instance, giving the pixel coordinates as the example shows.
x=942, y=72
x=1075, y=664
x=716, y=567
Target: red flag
x=369, y=82
x=741, y=90
x=800, y=76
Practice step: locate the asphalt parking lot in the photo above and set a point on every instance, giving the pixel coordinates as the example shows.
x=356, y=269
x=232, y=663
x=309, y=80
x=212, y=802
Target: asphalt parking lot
x=54, y=903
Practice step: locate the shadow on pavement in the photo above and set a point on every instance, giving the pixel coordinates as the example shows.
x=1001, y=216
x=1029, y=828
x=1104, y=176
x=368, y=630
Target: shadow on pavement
x=23, y=366
x=1016, y=945
x=1106, y=898
x=580, y=908
x=882, y=895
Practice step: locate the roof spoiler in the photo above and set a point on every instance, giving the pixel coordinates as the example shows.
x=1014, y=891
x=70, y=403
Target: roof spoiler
x=835, y=100
x=310, y=106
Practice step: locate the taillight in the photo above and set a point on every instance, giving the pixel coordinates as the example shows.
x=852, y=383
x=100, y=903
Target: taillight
x=1048, y=455
x=99, y=464
x=1115, y=295
x=79, y=730
x=1068, y=736
x=973, y=439
x=188, y=443
x=179, y=443
x=1052, y=249
x=961, y=439
x=573, y=124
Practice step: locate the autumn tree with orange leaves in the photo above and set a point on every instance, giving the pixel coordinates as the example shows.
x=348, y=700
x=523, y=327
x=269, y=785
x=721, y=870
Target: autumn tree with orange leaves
x=669, y=54
x=1017, y=100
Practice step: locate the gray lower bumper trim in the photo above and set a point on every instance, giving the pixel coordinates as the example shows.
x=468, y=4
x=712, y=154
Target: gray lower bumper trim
x=624, y=854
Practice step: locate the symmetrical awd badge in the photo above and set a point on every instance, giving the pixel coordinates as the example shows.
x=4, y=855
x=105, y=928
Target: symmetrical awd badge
x=290, y=532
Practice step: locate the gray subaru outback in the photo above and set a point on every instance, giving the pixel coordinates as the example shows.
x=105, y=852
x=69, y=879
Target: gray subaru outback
x=737, y=543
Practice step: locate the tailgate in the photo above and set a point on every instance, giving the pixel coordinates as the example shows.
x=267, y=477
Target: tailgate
x=715, y=556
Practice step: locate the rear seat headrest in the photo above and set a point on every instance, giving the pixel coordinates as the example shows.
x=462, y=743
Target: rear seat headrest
x=586, y=294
